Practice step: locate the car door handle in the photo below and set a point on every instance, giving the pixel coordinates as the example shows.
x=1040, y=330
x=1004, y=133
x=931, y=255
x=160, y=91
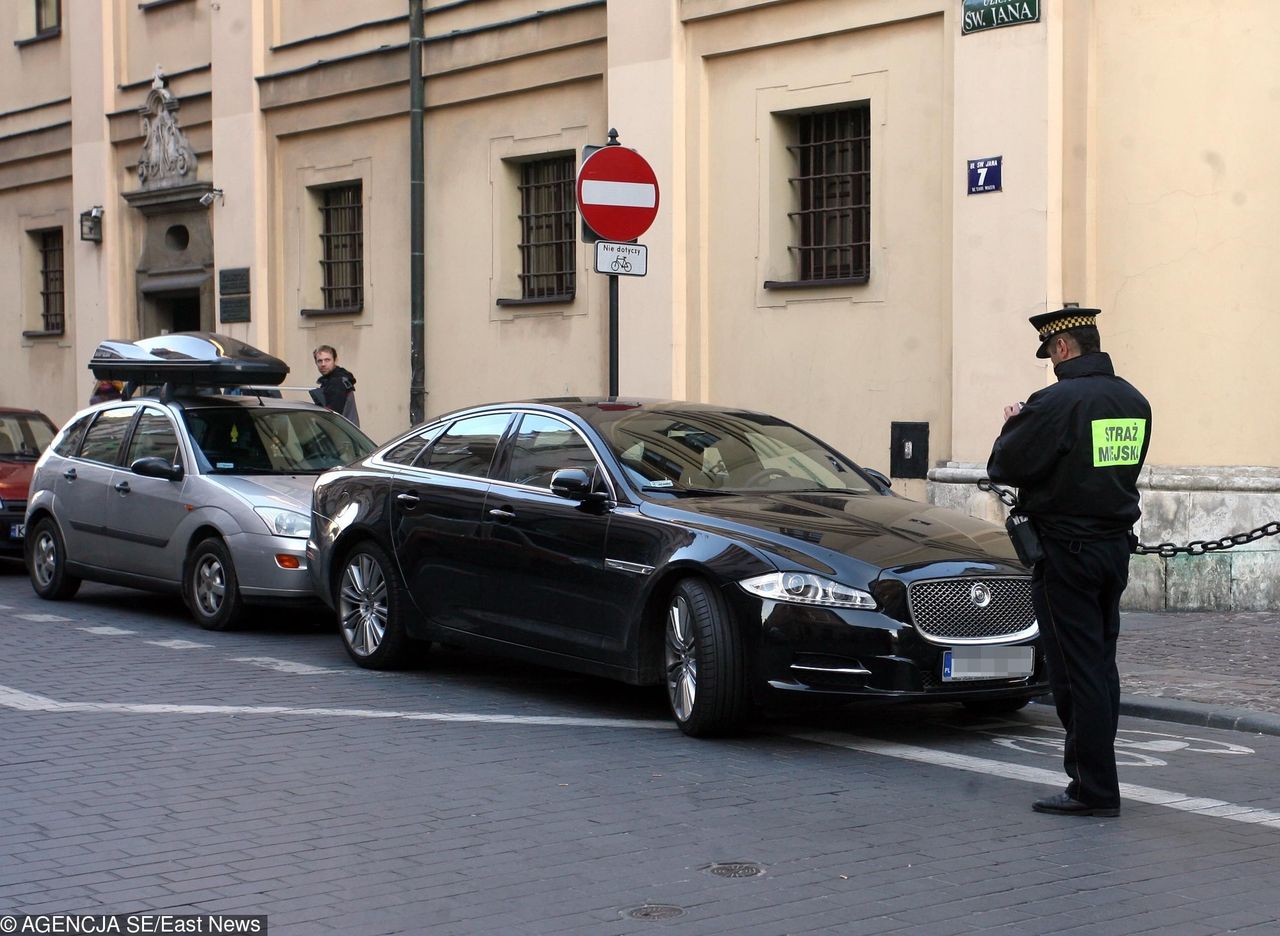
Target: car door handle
x=408, y=500
x=123, y=487
x=499, y=514
x=70, y=474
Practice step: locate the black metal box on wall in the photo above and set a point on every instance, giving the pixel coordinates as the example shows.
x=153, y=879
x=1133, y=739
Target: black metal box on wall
x=908, y=449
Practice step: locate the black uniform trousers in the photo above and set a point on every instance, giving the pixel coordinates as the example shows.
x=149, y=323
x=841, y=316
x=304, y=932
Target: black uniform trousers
x=1076, y=591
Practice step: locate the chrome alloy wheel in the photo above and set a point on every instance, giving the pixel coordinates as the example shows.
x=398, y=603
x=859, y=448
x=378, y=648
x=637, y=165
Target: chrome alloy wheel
x=362, y=604
x=44, y=558
x=209, y=581
x=682, y=659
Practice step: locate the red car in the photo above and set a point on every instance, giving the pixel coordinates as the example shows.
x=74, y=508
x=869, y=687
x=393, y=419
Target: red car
x=24, y=434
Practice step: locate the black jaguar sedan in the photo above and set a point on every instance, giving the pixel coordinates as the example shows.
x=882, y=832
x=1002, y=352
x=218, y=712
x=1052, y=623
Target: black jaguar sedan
x=725, y=553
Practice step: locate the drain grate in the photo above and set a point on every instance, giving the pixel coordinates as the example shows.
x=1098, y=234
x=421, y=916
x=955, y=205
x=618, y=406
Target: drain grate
x=654, y=912
x=734, y=869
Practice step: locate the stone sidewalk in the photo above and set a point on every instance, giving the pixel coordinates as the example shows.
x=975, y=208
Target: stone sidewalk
x=1215, y=669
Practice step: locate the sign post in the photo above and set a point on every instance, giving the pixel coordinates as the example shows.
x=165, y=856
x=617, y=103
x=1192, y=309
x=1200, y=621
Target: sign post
x=617, y=194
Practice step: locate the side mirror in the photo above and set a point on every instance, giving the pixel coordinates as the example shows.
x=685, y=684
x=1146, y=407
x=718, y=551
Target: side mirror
x=575, y=484
x=879, y=477
x=156, y=467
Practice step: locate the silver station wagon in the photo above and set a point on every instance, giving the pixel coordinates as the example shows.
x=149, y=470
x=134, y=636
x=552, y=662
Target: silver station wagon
x=185, y=488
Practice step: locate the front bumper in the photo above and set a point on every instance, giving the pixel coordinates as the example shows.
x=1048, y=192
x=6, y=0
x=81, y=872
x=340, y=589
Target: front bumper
x=261, y=575
x=850, y=655
x=12, y=516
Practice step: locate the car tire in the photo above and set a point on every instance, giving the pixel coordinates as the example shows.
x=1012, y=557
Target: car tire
x=704, y=662
x=371, y=609
x=210, y=587
x=996, y=706
x=46, y=556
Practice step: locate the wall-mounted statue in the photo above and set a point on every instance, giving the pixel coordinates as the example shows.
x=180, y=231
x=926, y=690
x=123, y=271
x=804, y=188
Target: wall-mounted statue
x=166, y=157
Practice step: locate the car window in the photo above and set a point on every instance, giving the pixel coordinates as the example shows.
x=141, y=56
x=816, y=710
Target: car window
x=24, y=435
x=103, y=439
x=407, y=451
x=726, y=451
x=69, y=441
x=272, y=440
x=153, y=437
x=542, y=446
x=468, y=447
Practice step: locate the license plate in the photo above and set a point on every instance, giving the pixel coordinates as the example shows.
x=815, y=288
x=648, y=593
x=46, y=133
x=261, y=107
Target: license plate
x=17, y=530
x=987, y=663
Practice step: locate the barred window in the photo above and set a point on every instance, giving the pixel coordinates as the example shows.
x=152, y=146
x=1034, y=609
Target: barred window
x=48, y=16
x=831, y=226
x=52, y=299
x=547, y=229
x=342, y=240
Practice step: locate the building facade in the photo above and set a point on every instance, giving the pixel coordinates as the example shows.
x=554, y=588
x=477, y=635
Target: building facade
x=861, y=202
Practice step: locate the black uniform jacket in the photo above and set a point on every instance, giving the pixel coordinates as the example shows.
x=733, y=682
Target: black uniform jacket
x=1075, y=450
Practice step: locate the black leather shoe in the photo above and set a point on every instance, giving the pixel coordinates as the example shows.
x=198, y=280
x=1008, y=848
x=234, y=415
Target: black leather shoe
x=1061, y=804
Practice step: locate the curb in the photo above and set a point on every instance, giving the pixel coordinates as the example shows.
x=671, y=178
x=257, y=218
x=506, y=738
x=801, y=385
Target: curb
x=1200, y=714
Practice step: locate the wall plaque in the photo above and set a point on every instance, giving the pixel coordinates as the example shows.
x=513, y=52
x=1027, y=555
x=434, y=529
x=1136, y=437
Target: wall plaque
x=233, y=309
x=234, y=282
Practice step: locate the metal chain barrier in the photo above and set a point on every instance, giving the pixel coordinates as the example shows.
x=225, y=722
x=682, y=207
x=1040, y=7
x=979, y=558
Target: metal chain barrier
x=1167, y=550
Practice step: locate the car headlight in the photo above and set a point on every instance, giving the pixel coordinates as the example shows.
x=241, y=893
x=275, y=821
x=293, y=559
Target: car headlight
x=807, y=588
x=283, y=522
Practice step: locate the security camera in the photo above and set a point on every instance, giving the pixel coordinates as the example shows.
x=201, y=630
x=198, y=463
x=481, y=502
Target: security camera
x=206, y=199
x=96, y=211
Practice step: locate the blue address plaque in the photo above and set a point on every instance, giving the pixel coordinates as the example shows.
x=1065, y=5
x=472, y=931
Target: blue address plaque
x=984, y=174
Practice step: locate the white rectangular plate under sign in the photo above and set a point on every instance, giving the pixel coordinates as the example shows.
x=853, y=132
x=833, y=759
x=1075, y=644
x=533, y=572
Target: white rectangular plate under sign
x=622, y=259
x=987, y=663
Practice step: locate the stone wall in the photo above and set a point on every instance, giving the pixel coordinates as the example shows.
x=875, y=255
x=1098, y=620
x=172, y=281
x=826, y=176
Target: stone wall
x=1179, y=505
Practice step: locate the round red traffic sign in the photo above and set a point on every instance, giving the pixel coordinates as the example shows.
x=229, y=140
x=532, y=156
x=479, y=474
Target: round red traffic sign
x=617, y=193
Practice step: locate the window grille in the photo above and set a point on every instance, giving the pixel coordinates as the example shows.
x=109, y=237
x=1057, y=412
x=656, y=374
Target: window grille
x=48, y=16
x=547, y=229
x=342, y=237
x=832, y=224
x=52, y=300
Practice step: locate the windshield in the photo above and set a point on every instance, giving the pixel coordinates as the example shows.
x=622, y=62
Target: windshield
x=271, y=440
x=23, y=436
x=707, y=452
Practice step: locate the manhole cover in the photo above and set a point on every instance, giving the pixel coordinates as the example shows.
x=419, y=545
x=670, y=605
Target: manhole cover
x=735, y=869
x=654, y=912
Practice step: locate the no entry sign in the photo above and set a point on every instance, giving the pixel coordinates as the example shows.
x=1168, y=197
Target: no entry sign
x=617, y=193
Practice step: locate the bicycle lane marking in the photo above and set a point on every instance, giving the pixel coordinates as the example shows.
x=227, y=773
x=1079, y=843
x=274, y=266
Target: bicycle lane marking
x=1143, y=794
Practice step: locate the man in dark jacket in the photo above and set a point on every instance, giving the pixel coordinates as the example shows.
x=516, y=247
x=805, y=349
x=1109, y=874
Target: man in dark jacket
x=1074, y=451
x=336, y=390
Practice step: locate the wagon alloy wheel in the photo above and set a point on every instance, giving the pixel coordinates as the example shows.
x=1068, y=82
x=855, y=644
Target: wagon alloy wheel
x=370, y=609
x=210, y=586
x=47, y=562
x=705, y=659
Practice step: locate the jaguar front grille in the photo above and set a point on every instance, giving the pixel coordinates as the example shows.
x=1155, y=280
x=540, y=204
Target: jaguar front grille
x=996, y=609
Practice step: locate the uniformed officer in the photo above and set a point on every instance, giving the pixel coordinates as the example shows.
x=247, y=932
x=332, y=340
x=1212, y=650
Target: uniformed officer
x=1074, y=450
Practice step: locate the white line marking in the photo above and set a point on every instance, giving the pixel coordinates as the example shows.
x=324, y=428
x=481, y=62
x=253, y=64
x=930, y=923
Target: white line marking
x=287, y=666
x=1143, y=794
x=622, y=194
x=107, y=631
x=42, y=618
x=30, y=702
x=179, y=644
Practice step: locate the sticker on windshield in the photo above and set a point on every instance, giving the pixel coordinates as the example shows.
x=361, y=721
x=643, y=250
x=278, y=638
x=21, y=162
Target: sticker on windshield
x=222, y=465
x=1118, y=441
x=661, y=483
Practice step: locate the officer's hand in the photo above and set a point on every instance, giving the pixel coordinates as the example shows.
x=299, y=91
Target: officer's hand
x=1013, y=409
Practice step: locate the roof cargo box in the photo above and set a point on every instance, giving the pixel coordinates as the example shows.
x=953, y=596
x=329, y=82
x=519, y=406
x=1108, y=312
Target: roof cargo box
x=194, y=359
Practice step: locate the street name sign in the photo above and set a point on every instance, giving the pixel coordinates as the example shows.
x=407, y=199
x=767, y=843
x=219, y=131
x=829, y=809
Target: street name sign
x=992, y=14
x=622, y=259
x=617, y=193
